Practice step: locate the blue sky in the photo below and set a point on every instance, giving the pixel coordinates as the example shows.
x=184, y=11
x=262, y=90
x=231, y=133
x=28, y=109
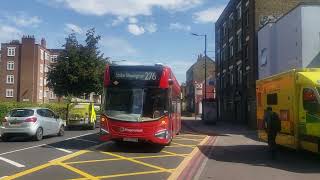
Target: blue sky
x=139, y=31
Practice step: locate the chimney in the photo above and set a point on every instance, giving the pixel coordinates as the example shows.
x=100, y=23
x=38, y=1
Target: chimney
x=43, y=43
x=27, y=39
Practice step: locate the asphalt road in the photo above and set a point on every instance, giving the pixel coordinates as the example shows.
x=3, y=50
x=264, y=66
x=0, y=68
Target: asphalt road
x=22, y=153
x=80, y=155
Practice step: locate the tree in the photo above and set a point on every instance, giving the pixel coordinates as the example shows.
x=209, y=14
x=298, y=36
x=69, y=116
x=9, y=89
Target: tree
x=79, y=68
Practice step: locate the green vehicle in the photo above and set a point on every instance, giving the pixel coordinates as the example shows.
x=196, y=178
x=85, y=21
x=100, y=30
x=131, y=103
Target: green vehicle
x=82, y=115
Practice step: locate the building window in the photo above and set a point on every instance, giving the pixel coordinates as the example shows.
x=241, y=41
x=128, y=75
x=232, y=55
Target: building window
x=225, y=29
x=239, y=11
x=46, y=94
x=246, y=52
x=239, y=41
x=41, y=54
x=10, y=79
x=11, y=51
x=45, y=81
x=264, y=57
x=246, y=23
x=231, y=77
x=41, y=68
x=52, y=95
x=40, y=94
x=54, y=58
x=46, y=56
x=239, y=75
x=272, y=99
x=231, y=21
x=10, y=65
x=9, y=93
x=41, y=81
x=46, y=69
x=231, y=49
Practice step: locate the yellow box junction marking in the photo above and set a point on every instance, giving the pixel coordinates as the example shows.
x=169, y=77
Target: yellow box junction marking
x=78, y=171
x=51, y=163
x=66, y=165
x=126, y=174
x=136, y=161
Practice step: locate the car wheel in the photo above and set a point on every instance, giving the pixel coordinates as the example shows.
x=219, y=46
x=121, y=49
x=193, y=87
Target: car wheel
x=5, y=138
x=61, y=131
x=39, y=134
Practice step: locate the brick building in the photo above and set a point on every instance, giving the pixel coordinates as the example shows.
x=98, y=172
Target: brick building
x=195, y=74
x=23, y=69
x=236, y=54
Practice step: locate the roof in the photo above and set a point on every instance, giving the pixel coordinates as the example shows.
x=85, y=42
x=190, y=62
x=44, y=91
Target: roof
x=56, y=50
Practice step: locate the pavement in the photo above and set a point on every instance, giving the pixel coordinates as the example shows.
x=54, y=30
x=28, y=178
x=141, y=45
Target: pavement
x=237, y=153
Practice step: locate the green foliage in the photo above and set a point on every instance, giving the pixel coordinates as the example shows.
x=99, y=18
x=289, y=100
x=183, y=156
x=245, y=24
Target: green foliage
x=79, y=68
x=58, y=108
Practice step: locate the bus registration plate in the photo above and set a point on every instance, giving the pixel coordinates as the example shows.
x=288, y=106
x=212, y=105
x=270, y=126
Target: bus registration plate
x=130, y=139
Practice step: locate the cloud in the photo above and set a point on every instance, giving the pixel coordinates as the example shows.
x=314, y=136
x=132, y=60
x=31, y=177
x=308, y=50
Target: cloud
x=114, y=46
x=210, y=15
x=151, y=27
x=133, y=20
x=135, y=29
x=118, y=21
x=8, y=33
x=126, y=8
x=179, y=27
x=24, y=20
x=69, y=27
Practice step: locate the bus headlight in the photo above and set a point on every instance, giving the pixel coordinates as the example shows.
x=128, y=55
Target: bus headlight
x=162, y=134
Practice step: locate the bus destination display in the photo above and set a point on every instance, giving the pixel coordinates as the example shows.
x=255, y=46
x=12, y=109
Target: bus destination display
x=136, y=75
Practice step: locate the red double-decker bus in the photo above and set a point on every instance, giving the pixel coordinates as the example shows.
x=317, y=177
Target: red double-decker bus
x=140, y=103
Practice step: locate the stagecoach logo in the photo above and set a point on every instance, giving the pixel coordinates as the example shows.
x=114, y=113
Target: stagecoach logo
x=115, y=82
x=122, y=129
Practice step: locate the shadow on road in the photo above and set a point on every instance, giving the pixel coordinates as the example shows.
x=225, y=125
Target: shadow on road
x=258, y=155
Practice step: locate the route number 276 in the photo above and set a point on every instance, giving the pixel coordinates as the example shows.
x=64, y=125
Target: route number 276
x=150, y=76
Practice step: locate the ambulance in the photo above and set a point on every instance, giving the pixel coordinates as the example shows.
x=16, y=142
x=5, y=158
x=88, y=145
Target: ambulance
x=295, y=97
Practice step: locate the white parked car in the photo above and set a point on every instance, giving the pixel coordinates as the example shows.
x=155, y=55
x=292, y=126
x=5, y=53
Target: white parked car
x=34, y=122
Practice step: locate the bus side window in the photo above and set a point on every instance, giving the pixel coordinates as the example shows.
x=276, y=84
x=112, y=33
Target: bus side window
x=310, y=102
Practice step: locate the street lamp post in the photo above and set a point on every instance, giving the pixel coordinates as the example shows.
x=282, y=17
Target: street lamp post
x=205, y=68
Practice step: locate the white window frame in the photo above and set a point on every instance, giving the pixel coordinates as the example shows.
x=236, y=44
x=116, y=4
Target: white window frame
x=9, y=93
x=11, y=51
x=10, y=65
x=46, y=69
x=239, y=11
x=46, y=56
x=54, y=58
x=41, y=68
x=10, y=79
x=41, y=54
x=41, y=81
x=40, y=94
x=45, y=93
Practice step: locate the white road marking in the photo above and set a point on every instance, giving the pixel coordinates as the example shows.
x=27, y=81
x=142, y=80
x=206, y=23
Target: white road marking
x=85, y=140
x=60, y=149
x=12, y=162
x=3, y=177
x=9, y=152
x=80, y=136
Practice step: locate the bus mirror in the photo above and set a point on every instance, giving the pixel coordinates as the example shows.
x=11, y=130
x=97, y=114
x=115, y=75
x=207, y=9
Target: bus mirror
x=170, y=82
